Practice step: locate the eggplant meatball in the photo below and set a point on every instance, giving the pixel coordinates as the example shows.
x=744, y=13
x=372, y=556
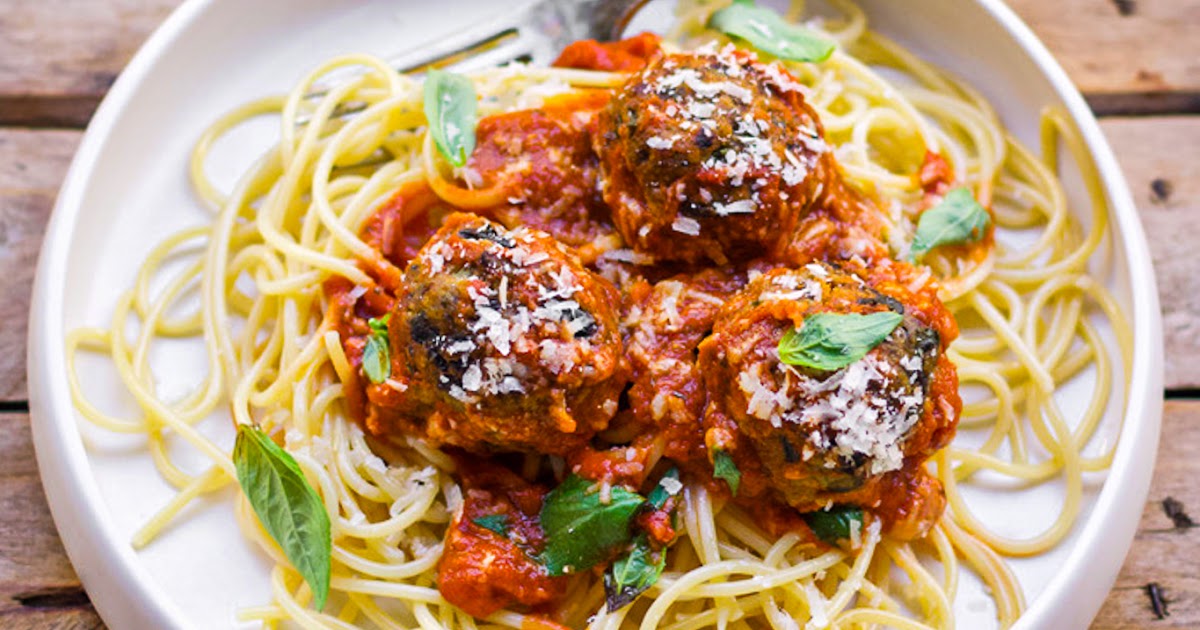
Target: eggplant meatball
x=818, y=436
x=710, y=156
x=502, y=341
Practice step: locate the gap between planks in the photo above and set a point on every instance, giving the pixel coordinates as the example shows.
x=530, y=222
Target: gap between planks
x=1160, y=157
x=38, y=585
x=1131, y=57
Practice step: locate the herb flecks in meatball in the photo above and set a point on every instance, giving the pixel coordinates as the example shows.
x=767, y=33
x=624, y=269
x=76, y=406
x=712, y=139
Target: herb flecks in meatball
x=505, y=342
x=710, y=156
x=815, y=435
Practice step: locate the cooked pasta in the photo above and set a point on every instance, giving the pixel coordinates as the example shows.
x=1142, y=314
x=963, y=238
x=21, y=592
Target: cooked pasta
x=320, y=220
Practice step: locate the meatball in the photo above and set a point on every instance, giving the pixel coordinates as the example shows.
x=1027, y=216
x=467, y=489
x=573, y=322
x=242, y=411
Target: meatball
x=817, y=436
x=502, y=341
x=710, y=156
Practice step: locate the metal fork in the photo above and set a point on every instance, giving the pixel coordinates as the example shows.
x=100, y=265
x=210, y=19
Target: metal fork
x=535, y=32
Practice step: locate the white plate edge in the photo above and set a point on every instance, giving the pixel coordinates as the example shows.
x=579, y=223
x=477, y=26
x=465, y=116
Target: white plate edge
x=74, y=498
x=1127, y=483
x=122, y=591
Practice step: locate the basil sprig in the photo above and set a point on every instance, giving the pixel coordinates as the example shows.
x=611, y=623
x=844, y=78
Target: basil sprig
x=769, y=32
x=724, y=468
x=835, y=523
x=377, y=355
x=640, y=567
x=496, y=523
x=831, y=341
x=633, y=573
x=581, y=529
x=659, y=495
x=957, y=219
x=451, y=114
x=287, y=506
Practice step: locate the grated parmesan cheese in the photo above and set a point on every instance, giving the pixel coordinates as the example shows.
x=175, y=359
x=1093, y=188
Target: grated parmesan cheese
x=744, y=206
x=686, y=225
x=660, y=143
x=502, y=328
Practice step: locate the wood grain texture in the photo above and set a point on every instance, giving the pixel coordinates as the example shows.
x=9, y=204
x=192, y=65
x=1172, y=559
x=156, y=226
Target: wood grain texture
x=1126, y=55
x=38, y=587
x=59, y=57
x=1159, y=155
x=32, y=166
x=1161, y=159
x=1165, y=550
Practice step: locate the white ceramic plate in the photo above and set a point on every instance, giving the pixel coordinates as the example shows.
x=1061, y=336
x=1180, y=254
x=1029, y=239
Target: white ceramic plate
x=127, y=188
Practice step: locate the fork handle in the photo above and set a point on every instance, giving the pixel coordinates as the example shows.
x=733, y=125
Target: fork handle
x=602, y=20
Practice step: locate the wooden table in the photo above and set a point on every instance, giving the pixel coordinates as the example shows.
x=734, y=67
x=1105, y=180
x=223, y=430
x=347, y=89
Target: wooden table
x=1137, y=61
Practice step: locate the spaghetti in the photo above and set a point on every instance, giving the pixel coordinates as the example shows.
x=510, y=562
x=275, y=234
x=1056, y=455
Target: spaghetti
x=322, y=217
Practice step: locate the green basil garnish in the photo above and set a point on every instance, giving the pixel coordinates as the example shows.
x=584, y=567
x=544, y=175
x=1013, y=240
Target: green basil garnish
x=640, y=567
x=497, y=523
x=633, y=573
x=287, y=506
x=724, y=468
x=835, y=523
x=769, y=32
x=957, y=219
x=659, y=495
x=377, y=354
x=450, y=112
x=831, y=341
x=379, y=325
x=581, y=530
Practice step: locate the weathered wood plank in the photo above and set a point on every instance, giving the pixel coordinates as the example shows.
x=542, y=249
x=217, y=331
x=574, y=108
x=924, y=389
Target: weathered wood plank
x=82, y=618
x=1165, y=551
x=58, y=57
x=1161, y=159
x=1126, y=55
x=32, y=165
x=38, y=587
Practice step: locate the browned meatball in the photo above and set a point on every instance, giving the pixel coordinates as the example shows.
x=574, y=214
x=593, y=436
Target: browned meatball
x=815, y=436
x=504, y=342
x=710, y=156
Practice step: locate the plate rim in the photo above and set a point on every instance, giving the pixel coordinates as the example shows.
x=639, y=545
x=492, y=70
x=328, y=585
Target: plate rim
x=120, y=587
x=1125, y=482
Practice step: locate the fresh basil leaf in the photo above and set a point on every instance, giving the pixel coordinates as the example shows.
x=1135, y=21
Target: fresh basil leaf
x=376, y=359
x=497, y=523
x=769, y=32
x=831, y=341
x=633, y=573
x=724, y=468
x=450, y=111
x=957, y=219
x=664, y=490
x=836, y=523
x=581, y=530
x=379, y=325
x=286, y=505
x=377, y=354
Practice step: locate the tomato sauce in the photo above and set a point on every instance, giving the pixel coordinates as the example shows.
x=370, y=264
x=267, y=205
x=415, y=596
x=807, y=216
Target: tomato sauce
x=546, y=162
x=627, y=55
x=483, y=570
